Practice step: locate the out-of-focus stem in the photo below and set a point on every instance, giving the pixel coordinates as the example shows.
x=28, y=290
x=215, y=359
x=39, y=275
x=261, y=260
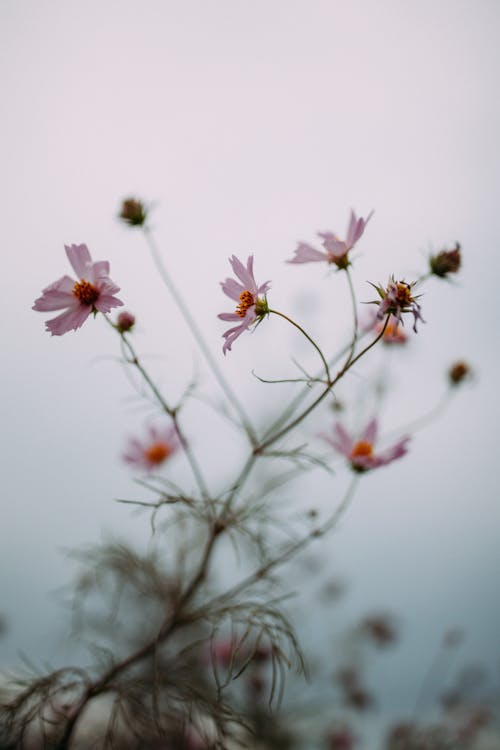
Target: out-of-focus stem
x=289, y=552
x=354, y=314
x=195, y=331
x=171, y=412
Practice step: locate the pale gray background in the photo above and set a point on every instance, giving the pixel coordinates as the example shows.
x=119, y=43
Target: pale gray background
x=253, y=124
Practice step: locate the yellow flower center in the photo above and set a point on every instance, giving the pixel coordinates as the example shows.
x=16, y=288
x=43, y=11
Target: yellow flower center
x=362, y=448
x=85, y=292
x=157, y=453
x=246, y=301
x=403, y=294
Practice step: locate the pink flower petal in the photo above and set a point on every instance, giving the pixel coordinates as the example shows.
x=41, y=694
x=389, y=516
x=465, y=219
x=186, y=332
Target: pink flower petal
x=244, y=275
x=69, y=320
x=57, y=296
x=232, y=289
x=305, y=253
x=79, y=257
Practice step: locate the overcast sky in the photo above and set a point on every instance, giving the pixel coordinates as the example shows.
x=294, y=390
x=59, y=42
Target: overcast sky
x=252, y=125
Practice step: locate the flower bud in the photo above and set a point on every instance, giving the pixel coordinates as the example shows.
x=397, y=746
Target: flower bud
x=459, y=372
x=125, y=322
x=133, y=212
x=445, y=262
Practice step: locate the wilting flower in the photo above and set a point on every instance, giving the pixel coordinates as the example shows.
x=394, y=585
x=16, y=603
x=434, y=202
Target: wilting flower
x=251, y=299
x=133, y=212
x=397, y=299
x=93, y=292
x=154, y=450
x=446, y=262
x=336, y=250
x=360, y=453
x=125, y=322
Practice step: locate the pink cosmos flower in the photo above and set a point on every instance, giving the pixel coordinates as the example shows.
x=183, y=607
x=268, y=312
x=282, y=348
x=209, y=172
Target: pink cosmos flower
x=154, y=450
x=336, y=250
x=397, y=299
x=92, y=292
x=393, y=333
x=360, y=453
x=251, y=299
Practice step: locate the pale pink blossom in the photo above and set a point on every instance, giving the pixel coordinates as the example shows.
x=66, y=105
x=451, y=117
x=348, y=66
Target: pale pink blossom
x=336, y=250
x=360, y=452
x=251, y=299
x=93, y=291
x=151, y=452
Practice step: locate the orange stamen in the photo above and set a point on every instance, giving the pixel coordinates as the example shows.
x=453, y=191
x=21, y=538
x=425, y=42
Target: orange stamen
x=362, y=448
x=85, y=292
x=246, y=301
x=157, y=453
x=403, y=294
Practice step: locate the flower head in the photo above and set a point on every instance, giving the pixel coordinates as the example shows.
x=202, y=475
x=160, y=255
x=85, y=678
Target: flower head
x=396, y=299
x=446, y=262
x=133, y=212
x=92, y=292
x=393, y=333
x=336, y=250
x=360, y=453
x=154, y=450
x=251, y=300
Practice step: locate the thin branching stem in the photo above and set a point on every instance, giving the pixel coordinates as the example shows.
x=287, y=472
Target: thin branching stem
x=311, y=340
x=354, y=315
x=195, y=331
x=347, y=366
x=133, y=359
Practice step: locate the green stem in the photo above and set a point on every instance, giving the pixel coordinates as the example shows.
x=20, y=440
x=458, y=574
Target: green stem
x=228, y=391
x=171, y=412
x=347, y=366
x=311, y=341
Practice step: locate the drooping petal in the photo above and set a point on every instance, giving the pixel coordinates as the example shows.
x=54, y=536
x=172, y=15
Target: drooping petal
x=79, y=257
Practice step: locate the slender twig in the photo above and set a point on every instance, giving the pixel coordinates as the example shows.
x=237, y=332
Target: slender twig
x=195, y=331
x=134, y=360
x=311, y=340
x=347, y=366
x=354, y=314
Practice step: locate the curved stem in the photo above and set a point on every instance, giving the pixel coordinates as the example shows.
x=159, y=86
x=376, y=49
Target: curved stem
x=355, y=315
x=170, y=411
x=347, y=366
x=311, y=341
x=195, y=331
